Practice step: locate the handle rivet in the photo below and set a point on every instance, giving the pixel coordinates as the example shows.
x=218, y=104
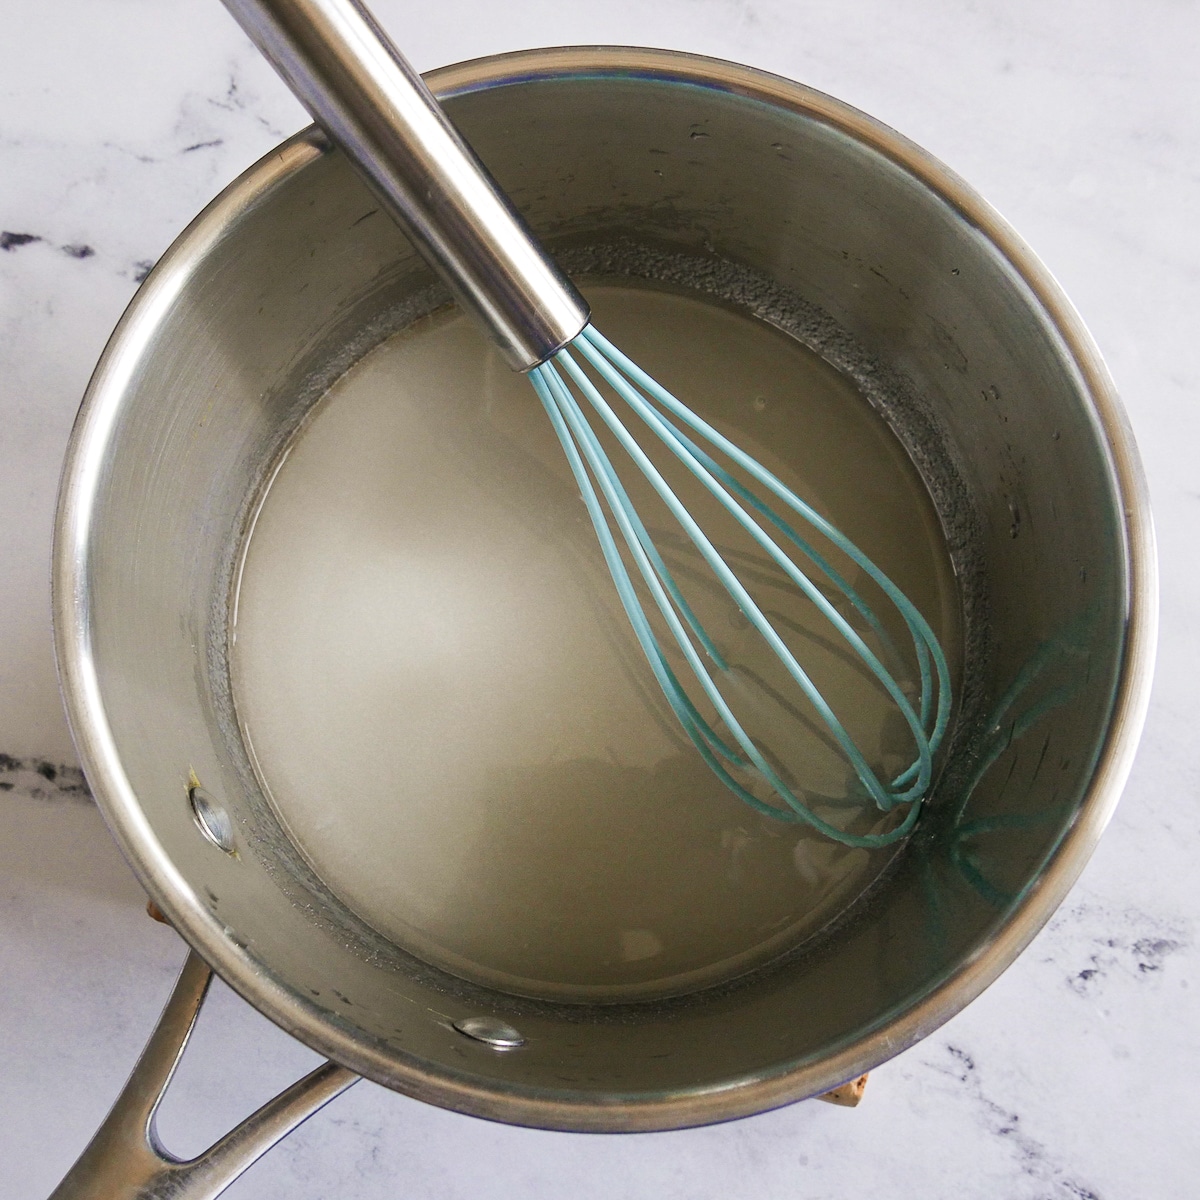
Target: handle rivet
x=491, y=1031
x=211, y=818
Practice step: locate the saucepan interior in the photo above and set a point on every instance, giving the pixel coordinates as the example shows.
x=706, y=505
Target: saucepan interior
x=715, y=177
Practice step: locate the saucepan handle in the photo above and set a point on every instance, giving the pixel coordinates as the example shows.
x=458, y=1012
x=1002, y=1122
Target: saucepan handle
x=126, y=1160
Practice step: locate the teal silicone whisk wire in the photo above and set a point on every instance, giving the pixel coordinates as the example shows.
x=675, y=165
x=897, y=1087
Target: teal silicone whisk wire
x=378, y=111
x=693, y=442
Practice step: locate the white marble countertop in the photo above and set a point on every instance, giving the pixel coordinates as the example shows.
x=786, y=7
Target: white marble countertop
x=1073, y=1076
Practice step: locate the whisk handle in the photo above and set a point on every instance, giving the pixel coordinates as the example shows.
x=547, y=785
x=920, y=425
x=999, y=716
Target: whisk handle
x=376, y=108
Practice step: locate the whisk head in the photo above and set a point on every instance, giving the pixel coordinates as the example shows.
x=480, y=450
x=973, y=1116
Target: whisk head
x=771, y=515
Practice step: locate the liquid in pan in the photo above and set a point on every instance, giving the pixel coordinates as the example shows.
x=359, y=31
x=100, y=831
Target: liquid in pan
x=446, y=706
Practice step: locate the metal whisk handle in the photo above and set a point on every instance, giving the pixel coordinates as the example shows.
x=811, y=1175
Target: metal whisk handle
x=379, y=112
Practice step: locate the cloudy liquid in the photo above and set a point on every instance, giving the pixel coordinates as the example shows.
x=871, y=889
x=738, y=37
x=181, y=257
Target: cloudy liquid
x=447, y=709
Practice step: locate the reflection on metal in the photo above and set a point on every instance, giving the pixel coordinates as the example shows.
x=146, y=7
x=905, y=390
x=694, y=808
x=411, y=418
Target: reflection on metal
x=1052, y=677
x=383, y=117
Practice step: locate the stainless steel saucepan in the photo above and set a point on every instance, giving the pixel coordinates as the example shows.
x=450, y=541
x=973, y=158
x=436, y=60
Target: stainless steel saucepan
x=713, y=177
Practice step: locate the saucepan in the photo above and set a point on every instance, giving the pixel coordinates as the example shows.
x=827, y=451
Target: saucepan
x=764, y=195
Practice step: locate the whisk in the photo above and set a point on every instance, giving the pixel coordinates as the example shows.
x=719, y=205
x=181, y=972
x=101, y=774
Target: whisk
x=375, y=108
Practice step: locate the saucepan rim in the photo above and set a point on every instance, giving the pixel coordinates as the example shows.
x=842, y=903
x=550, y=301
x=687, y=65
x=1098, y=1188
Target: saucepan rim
x=102, y=764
